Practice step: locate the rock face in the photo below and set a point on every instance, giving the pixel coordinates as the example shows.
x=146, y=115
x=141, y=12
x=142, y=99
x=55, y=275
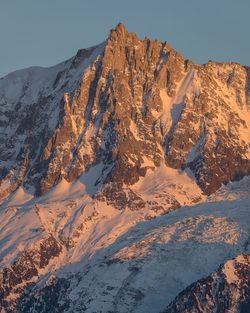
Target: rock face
x=227, y=290
x=119, y=134
x=129, y=105
x=15, y=278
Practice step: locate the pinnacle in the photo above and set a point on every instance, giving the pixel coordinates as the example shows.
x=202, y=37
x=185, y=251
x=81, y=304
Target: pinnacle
x=120, y=27
x=119, y=32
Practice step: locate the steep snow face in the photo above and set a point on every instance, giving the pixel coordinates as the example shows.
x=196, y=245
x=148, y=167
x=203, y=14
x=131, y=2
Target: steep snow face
x=164, y=182
x=173, y=106
x=117, y=259
x=29, y=84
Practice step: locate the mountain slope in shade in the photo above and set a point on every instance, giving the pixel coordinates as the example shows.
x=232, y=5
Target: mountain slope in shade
x=93, y=149
x=227, y=290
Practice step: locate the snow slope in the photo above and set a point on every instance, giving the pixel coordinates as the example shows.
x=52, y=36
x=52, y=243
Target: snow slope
x=117, y=259
x=149, y=265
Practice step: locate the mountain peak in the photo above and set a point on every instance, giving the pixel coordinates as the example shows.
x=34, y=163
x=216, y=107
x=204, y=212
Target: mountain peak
x=118, y=33
x=95, y=147
x=120, y=27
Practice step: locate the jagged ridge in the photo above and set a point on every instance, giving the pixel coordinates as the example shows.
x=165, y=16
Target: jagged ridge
x=128, y=105
x=130, y=125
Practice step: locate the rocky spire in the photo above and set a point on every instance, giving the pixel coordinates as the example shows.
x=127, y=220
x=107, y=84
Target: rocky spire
x=118, y=33
x=131, y=103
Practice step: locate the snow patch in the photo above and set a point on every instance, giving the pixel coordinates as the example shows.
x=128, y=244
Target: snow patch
x=164, y=180
x=230, y=272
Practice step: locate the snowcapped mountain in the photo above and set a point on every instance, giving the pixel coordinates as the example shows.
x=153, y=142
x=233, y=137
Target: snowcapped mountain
x=120, y=181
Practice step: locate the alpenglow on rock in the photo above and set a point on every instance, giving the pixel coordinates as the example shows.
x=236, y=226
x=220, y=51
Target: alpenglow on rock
x=119, y=169
x=128, y=105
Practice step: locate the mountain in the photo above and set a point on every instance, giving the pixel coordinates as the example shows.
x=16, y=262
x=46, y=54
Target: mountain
x=227, y=290
x=117, y=263
x=118, y=168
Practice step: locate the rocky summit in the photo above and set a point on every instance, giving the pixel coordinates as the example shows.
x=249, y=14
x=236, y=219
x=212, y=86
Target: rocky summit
x=120, y=169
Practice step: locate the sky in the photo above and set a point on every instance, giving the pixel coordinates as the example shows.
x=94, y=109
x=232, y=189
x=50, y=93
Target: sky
x=46, y=32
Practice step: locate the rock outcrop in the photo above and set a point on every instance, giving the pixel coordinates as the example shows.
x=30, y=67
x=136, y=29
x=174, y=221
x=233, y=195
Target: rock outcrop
x=25, y=270
x=225, y=291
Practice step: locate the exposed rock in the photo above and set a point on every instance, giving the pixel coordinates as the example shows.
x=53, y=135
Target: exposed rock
x=108, y=118
x=122, y=104
x=225, y=291
x=15, y=278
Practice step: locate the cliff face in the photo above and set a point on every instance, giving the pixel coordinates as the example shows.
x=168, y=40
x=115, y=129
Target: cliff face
x=127, y=105
x=119, y=134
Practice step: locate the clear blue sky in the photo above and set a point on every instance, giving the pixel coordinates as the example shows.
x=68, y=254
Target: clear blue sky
x=45, y=32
